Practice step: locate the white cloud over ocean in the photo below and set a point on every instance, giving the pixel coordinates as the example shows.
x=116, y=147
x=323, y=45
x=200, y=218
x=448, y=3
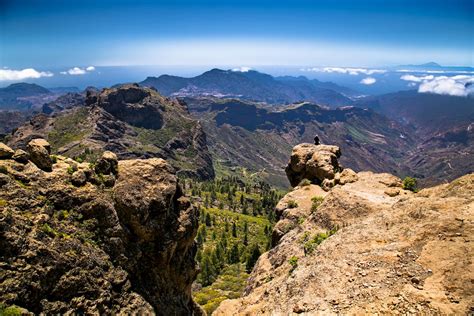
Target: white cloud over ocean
x=460, y=85
x=28, y=73
x=76, y=71
x=349, y=71
x=368, y=81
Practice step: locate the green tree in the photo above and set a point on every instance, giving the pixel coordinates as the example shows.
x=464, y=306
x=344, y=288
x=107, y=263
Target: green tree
x=234, y=230
x=253, y=257
x=234, y=256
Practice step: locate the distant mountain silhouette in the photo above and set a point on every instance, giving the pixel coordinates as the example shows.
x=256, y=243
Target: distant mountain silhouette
x=11, y=96
x=253, y=85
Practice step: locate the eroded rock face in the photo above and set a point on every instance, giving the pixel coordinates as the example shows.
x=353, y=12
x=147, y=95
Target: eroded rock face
x=71, y=244
x=128, y=103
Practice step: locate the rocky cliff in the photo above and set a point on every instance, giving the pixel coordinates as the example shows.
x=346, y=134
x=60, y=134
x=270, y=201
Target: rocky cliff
x=363, y=245
x=131, y=121
x=114, y=237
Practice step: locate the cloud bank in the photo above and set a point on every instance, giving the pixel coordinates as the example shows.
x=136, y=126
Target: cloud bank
x=242, y=69
x=368, y=81
x=28, y=73
x=349, y=71
x=460, y=85
x=76, y=71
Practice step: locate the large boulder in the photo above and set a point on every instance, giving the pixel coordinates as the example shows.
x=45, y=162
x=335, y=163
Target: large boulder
x=313, y=162
x=39, y=150
x=5, y=151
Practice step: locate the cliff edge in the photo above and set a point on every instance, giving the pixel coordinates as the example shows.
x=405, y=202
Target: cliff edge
x=363, y=245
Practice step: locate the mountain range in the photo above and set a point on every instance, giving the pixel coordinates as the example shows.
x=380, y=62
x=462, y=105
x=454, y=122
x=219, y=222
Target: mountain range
x=252, y=85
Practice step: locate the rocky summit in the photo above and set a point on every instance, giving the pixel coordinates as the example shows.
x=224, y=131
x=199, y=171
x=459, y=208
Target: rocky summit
x=365, y=246
x=114, y=237
x=131, y=121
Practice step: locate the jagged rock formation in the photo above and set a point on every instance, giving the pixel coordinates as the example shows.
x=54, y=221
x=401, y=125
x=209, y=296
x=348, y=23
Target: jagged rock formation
x=75, y=241
x=131, y=121
x=367, y=247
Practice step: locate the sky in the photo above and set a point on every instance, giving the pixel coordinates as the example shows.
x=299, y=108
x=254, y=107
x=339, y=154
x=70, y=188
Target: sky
x=370, y=33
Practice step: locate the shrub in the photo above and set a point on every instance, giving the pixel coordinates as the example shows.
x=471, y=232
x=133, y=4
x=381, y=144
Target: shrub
x=293, y=261
x=12, y=310
x=316, y=202
x=70, y=170
x=292, y=204
x=317, y=239
x=3, y=169
x=48, y=230
x=410, y=183
x=304, y=183
x=54, y=158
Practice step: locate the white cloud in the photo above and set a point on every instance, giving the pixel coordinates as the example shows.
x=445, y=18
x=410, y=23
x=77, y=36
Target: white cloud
x=242, y=69
x=436, y=71
x=350, y=71
x=416, y=78
x=75, y=71
x=368, y=81
x=28, y=73
x=460, y=85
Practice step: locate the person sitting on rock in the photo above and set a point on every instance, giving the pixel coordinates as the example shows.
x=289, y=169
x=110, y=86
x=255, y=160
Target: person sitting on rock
x=316, y=140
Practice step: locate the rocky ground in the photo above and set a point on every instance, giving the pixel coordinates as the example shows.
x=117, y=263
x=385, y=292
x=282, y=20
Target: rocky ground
x=364, y=246
x=114, y=237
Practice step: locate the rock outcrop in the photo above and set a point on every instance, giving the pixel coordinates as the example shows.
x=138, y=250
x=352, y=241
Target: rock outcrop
x=74, y=243
x=365, y=247
x=318, y=164
x=131, y=121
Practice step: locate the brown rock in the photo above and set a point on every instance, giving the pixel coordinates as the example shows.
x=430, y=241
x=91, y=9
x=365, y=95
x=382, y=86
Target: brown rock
x=39, y=151
x=21, y=156
x=312, y=162
x=347, y=176
x=5, y=151
x=392, y=192
x=107, y=164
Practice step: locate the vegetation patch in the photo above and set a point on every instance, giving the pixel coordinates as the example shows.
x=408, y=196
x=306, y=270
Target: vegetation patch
x=411, y=184
x=310, y=244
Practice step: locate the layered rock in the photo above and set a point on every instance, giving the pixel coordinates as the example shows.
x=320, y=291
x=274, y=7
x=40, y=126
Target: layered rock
x=365, y=247
x=131, y=121
x=74, y=243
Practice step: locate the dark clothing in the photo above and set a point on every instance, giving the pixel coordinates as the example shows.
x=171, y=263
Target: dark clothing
x=316, y=140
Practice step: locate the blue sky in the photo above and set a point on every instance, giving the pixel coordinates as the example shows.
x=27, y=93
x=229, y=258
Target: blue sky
x=42, y=34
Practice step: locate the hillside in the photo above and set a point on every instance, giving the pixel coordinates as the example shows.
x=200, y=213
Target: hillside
x=443, y=127
x=131, y=121
x=364, y=246
x=22, y=96
x=245, y=134
x=251, y=85
x=83, y=238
